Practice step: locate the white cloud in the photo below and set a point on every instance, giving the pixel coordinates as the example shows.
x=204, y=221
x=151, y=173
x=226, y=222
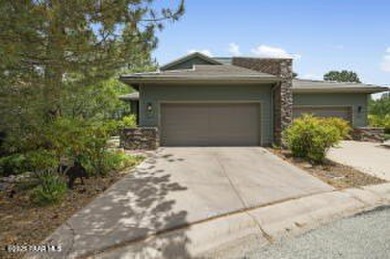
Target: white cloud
x=206, y=52
x=234, y=49
x=273, y=52
x=385, y=65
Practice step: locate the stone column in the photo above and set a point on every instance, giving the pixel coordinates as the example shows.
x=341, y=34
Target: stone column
x=283, y=97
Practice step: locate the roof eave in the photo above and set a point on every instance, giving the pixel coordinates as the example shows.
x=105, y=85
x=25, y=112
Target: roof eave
x=132, y=81
x=368, y=90
x=124, y=98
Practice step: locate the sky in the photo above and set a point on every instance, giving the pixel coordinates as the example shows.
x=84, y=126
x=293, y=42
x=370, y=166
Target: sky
x=321, y=35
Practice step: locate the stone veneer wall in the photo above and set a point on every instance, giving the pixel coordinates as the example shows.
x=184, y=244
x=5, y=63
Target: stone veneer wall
x=143, y=138
x=283, y=97
x=369, y=134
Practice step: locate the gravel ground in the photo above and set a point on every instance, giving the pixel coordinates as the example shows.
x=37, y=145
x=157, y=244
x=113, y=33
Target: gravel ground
x=365, y=235
x=338, y=175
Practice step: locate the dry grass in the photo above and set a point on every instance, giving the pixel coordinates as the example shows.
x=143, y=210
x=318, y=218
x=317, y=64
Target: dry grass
x=23, y=222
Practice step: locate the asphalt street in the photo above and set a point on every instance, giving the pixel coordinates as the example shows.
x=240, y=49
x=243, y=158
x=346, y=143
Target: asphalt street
x=365, y=235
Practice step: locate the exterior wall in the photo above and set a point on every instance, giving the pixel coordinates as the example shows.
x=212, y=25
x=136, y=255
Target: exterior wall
x=189, y=64
x=155, y=94
x=282, y=95
x=337, y=99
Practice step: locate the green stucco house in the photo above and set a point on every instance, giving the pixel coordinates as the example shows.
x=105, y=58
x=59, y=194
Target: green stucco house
x=202, y=101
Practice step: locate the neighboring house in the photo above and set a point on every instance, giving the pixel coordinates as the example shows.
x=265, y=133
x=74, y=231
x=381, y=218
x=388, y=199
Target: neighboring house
x=201, y=101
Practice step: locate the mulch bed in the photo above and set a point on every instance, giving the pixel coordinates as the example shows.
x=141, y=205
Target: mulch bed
x=22, y=222
x=338, y=175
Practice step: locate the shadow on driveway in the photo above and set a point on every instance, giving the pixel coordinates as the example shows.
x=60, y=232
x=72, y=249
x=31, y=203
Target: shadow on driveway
x=130, y=210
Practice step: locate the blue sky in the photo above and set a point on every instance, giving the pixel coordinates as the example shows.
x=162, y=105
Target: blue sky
x=321, y=35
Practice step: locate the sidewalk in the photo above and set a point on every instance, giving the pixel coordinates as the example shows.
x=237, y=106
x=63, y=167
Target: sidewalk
x=264, y=224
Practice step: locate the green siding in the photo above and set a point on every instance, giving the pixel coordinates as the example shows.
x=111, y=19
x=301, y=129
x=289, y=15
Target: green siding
x=154, y=94
x=337, y=99
x=189, y=63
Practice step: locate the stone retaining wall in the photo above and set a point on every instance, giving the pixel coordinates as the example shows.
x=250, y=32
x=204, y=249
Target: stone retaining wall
x=144, y=138
x=369, y=134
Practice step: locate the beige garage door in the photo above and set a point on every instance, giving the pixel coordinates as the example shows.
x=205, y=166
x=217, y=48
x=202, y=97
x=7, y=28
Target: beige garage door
x=210, y=124
x=341, y=112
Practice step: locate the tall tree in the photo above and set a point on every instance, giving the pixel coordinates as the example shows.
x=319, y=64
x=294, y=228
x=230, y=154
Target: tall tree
x=49, y=46
x=342, y=76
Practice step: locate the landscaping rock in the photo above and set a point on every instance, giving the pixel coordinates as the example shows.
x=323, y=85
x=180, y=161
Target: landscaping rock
x=369, y=134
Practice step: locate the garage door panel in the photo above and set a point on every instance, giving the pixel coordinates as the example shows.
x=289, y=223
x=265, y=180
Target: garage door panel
x=178, y=128
x=234, y=124
x=341, y=112
x=211, y=124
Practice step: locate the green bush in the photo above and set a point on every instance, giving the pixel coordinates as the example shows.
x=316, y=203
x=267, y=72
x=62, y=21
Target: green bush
x=80, y=140
x=112, y=161
x=13, y=164
x=51, y=189
x=380, y=121
x=95, y=151
x=41, y=160
x=120, y=160
x=129, y=121
x=342, y=126
x=73, y=139
x=309, y=137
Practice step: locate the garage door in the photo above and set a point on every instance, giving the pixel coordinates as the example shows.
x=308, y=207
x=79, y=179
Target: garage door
x=341, y=112
x=210, y=124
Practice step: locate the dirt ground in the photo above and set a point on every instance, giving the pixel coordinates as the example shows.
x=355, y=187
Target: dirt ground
x=338, y=175
x=24, y=223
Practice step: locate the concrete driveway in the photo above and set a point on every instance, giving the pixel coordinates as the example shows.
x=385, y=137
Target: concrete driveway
x=370, y=158
x=179, y=187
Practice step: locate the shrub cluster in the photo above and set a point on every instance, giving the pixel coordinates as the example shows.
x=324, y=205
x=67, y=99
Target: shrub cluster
x=129, y=121
x=380, y=121
x=51, y=189
x=70, y=139
x=310, y=137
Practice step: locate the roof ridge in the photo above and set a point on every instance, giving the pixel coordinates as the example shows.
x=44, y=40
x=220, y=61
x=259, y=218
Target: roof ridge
x=189, y=56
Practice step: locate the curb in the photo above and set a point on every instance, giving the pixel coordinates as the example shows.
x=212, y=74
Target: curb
x=265, y=225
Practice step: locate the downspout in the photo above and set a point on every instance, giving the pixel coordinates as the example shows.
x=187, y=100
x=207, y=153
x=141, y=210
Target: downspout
x=139, y=104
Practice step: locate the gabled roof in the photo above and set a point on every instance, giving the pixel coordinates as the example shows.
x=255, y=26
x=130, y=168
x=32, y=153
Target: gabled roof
x=207, y=59
x=202, y=73
x=313, y=86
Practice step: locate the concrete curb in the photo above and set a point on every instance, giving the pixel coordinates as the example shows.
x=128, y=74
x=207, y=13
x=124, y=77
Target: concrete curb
x=264, y=225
